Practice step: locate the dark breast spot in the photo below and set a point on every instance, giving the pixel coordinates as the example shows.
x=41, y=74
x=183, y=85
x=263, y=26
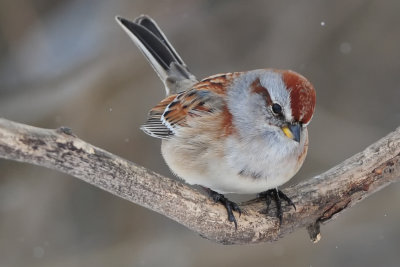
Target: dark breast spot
x=247, y=173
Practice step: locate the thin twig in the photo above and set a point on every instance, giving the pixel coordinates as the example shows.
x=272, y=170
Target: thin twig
x=317, y=199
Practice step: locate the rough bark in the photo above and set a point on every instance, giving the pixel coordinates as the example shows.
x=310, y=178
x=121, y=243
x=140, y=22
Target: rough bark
x=318, y=199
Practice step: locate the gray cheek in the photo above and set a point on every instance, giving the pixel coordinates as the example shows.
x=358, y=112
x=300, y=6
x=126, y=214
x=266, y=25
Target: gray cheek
x=263, y=124
x=272, y=135
x=248, y=117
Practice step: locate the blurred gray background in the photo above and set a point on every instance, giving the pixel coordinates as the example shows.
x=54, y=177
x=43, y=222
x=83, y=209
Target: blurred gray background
x=68, y=63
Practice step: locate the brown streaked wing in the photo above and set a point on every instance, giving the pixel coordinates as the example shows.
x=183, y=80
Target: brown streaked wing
x=166, y=118
x=218, y=83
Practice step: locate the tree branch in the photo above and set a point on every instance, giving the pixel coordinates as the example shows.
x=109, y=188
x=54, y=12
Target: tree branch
x=318, y=199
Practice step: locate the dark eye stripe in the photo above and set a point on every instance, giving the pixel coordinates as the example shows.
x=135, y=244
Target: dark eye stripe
x=257, y=88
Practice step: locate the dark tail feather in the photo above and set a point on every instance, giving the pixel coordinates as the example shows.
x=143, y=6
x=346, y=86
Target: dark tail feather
x=162, y=56
x=150, y=24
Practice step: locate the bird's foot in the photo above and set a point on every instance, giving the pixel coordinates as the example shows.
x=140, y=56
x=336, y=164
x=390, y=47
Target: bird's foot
x=229, y=205
x=277, y=196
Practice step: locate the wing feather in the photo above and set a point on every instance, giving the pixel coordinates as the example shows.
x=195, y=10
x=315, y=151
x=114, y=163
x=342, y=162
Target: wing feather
x=204, y=98
x=165, y=119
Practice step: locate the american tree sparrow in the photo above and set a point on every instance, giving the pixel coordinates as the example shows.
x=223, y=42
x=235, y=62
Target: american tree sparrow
x=240, y=132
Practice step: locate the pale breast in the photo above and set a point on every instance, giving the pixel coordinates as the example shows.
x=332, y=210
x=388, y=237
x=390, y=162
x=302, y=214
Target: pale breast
x=233, y=166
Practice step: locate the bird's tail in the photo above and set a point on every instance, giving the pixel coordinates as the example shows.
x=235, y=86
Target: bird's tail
x=152, y=42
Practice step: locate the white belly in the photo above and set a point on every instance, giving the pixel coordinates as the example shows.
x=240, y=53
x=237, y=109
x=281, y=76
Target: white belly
x=235, y=167
x=224, y=179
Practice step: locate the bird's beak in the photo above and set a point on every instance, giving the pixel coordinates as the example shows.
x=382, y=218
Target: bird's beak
x=292, y=131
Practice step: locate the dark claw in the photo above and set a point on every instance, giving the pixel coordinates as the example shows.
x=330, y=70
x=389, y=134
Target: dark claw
x=229, y=205
x=286, y=198
x=277, y=196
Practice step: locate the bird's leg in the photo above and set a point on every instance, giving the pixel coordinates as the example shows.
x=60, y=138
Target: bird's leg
x=229, y=205
x=277, y=196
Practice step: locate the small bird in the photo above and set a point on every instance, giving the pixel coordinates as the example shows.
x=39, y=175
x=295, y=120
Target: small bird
x=239, y=132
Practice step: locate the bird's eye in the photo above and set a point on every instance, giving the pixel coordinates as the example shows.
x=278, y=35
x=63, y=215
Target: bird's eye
x=276, y=108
